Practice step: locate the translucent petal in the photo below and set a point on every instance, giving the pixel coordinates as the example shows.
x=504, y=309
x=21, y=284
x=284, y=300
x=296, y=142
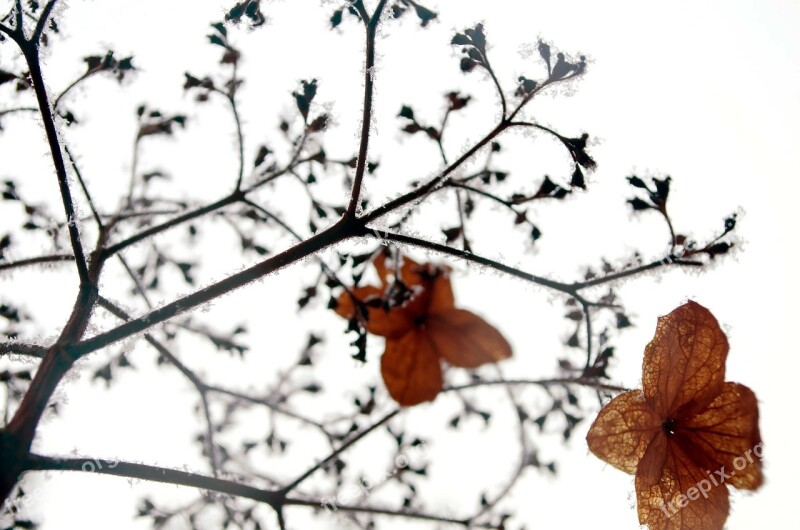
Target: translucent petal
x=411, y=369
x=622, y=431
x=684, y=364
x=727, y=430
x=673, y=493
x=464, y=339
x=441, y=297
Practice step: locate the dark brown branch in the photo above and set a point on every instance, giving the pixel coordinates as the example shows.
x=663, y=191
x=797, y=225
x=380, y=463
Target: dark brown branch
x=571, y=289
x=669, y=260
x=275, y=218
x=19, y=348
x=43, y=18
x=487, y=194
x=423, y=190
x=497, y=86
x=366, y=117
x=336, y=233
x=17, y=437
x=18, y=16
x=30, y=51
x=56, y=258
x=275, y=500
x=474, y=258
x=153, y=474
x=175, y=221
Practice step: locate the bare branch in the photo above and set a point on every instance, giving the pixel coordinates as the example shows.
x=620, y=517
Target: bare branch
x=26, y=262
x=347, y=444
x=366, y=118
x=31, y=53
x=19, y=348
x=589, y=383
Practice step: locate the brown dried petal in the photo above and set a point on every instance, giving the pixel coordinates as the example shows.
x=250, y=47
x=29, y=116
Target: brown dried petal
x=441, y=298
x=684, y=364
x=411, y=369
x=664, y=482
x=622, y=431
x=728, y=430
x=464, y=339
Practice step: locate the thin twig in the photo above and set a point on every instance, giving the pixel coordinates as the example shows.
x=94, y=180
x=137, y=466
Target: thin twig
x=55, y=258
x=588, y=316
x=469, y=256
x=589, y=383
x=88, y=195
x=199, y=385
x=239, y=136
x=523, y=457
x=346, y=445
x=37, y=33
x=423, y=190
x=199, y=212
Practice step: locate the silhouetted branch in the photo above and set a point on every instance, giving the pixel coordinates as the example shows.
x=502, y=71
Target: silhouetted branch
x=18, y=109
x=201, y=388
x=589, y=336
x=30, y=51
x=424, y=189
x=153, y=474
x=589, y=383
x=43, y=18
x=234, y=197
x=26, y=262
x=88, y=195
x=474, y=258
x=275, y=499
x=346, y=445
x=19, y=348
x=332, y=235
x=366, y=118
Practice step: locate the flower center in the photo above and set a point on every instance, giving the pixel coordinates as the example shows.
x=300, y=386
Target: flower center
x=419, y=322
x=670, y=426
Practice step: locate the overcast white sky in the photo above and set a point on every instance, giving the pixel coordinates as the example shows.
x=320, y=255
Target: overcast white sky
x=704, y=91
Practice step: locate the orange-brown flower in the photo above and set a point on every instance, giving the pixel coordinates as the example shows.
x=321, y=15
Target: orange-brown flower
x=687, y=434
x=416, y=313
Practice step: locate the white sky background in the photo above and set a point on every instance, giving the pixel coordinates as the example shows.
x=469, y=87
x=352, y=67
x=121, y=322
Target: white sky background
x=706, y=92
